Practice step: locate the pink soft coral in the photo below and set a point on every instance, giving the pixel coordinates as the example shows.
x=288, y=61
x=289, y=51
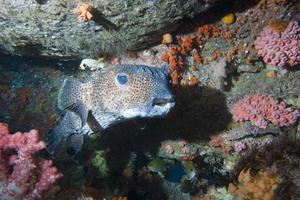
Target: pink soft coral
x=262, y=109
x=280, y=48
x=23, y=176
x=84, y=12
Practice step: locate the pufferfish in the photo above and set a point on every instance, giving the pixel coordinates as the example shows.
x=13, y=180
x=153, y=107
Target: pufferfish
x=111, y=95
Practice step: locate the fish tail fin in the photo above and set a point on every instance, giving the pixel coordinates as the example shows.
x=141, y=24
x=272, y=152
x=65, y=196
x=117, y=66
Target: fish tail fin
x=58, y=145
x=54, y=138
x=70, y=98
x=65, y=137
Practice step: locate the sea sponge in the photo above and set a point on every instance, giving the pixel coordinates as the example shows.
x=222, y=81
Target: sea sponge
x=229, y=18
x=262, y=109
x=277, y=47
x=167, y=39
x=258, y=187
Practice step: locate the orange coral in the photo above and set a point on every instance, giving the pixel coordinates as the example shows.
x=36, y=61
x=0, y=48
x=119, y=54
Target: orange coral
x=278, y=25
x=272, y=74
x=216, y=54
x=165, y=57
x=234, y=51
x=208, y=31
x=260, y=186
x=193, y=80
x=186, y=44
x=197, y=58
x=174, y=76
x=227, y=35
x=84, y=12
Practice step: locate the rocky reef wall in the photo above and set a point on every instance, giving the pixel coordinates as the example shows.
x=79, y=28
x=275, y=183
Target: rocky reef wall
x=50, y=28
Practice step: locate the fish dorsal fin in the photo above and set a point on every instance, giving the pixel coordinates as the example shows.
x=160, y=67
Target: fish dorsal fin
x=70, y=98
x=74, y=143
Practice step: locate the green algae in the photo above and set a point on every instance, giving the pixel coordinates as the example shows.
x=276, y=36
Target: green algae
x=100, y=163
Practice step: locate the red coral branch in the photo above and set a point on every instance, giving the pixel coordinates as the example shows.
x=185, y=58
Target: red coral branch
x=18, y=166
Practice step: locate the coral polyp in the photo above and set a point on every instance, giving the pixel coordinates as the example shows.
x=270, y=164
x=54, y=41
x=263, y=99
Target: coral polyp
x=262, y=110
x=277, y=47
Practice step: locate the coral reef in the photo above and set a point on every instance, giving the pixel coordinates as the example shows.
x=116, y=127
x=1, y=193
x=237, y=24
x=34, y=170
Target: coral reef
x=23, y=176
x=180, y=149
x=190, y=153
x=263, y=109
x=277, y=47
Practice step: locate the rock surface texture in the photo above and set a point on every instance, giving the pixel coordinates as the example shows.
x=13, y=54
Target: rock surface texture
x=49, y=27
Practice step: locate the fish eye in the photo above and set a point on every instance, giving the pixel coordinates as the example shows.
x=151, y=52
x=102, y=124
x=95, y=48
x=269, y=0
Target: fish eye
x=122, y=79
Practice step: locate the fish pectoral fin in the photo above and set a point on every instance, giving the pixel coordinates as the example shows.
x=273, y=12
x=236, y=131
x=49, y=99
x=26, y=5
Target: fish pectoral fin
x=80, y=109
x=74, y=142
x=141, y=123
x=162, y=174
x=93, y=123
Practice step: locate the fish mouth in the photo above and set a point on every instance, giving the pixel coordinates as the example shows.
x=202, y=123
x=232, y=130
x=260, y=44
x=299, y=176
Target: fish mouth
x=161, y=102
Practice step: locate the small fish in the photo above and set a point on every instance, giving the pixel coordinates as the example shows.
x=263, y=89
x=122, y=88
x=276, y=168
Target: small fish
x=190, y=170
x=109, y=96
x=160, y=166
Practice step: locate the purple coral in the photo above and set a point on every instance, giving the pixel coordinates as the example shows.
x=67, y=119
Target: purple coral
x=280, y=49
x=262, y=109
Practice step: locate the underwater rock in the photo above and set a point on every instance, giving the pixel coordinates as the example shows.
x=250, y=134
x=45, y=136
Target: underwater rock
x=249, y=68
x=52, y=28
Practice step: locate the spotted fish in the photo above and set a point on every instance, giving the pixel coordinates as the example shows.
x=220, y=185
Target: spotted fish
x=109, y=96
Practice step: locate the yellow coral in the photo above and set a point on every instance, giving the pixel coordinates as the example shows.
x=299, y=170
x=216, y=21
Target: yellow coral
x=229, y=18
x=260, y=186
